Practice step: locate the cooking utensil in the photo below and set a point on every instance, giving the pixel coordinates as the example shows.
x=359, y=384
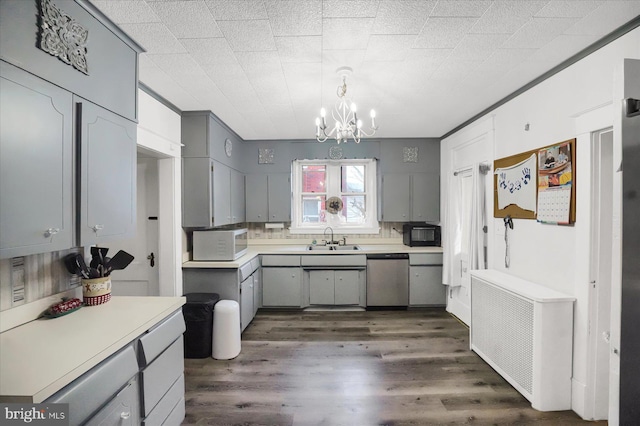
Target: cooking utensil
x=70, y=263
x=82, y=266
x=121, y=260
x=98, y=255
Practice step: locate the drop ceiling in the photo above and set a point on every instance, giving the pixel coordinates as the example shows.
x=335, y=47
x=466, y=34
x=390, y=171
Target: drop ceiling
x=265, y=67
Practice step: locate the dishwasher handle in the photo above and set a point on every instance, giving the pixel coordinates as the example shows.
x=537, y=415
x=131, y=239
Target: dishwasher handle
x=387, y=256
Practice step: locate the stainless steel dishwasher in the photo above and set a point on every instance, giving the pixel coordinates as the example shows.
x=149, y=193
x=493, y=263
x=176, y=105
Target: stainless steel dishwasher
x=388, y=279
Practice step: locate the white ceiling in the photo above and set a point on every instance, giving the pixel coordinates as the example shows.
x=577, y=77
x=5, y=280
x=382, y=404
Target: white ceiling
x=265, y=67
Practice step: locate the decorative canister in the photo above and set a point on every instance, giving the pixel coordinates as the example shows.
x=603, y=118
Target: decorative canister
x=96, y=291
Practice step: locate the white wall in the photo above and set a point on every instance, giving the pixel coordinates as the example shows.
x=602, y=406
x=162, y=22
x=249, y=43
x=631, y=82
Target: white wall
x=557, y=109
x=159, y=132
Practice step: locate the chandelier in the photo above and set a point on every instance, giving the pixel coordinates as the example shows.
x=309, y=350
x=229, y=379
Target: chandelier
x=347, y=125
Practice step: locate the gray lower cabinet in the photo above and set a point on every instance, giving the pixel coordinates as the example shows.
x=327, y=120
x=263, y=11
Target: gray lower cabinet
x=411, y=197
x=36, y=157
x=281, y=287
x=247, y=302
x=425, y=280
x=131, y=389
x=268, y=200
x=107, y=144
x=339, y=287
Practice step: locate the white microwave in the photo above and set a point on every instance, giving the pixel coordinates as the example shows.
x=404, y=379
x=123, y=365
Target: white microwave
x=218, y=244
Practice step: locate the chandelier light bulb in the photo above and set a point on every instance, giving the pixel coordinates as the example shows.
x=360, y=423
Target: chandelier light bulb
x=359, y=124
x=353, y=107
x=323, y=112
x=372, y=114
x=317, y=122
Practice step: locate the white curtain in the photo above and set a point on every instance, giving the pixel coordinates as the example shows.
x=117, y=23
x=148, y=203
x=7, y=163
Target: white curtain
x=452, y=240
x=477, y=234
x=454, y=260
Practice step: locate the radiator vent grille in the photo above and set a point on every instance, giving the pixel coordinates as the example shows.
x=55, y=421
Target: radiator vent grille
x=502, y=327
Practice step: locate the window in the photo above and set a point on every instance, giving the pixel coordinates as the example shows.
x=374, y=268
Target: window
x=349, y=184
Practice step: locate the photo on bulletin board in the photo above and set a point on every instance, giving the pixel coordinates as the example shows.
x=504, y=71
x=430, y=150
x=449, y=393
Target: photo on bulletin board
x=556, y=183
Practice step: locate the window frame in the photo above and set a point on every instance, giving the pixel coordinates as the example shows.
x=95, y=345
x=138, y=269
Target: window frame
x=333, y=188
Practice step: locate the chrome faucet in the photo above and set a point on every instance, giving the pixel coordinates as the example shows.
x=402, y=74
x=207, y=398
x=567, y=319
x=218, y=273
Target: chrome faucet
x=325, y=234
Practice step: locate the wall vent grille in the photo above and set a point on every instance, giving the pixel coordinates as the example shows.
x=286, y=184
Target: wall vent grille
x=503, y=331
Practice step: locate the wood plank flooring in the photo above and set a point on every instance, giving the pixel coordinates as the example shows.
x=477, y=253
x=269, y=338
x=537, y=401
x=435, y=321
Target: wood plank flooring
x=356, y=369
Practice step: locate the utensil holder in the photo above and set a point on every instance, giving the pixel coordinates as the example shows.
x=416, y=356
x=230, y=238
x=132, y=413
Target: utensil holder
x=96, y=291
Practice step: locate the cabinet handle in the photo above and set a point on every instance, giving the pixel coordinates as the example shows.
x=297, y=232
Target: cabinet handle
x=51, y=232
x=125, y=415
x=97, y=228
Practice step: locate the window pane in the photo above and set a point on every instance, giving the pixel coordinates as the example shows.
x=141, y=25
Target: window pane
x=313, y=209
x=352, y=179
x=354, y=209
x=313, y=178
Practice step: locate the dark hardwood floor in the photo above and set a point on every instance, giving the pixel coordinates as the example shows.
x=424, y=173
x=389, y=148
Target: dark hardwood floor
x=356, y=369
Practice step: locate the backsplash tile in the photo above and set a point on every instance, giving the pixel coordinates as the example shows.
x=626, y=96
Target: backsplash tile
x=44, y=275
x=257, y=231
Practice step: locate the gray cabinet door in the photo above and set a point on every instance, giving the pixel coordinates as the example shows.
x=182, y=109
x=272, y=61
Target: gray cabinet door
x=35, y=164
x=221, y=197
x=281, y=287
x=246, y=302
x=396, y=198
x=279, y=197
x=347, y=287
x=257, y=291
x=108, y=174
x=257, y=196
x=197, y=190
x=425, y=286
x=237, y=197
x=425, y=191
x=321, y=288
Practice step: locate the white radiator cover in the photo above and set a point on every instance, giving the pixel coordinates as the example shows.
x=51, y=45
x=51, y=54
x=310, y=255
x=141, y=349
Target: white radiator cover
x=525, y=332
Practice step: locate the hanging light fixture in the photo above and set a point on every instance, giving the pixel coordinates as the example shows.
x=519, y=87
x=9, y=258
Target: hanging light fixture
x=347, y=125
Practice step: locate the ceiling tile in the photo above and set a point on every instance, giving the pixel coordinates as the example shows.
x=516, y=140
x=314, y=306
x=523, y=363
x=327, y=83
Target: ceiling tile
x=248, y=36
x=127, y=12
x=346, y=34
x=207, y=51
x=442, y=33
x=300, y=79
x=257, y=63
x=506, y=17
x=191, y=19
x=461, y=8
x=607, y=17
x=295, y=17
x=178, y=66
x=234, y=10
x=539, y=31
x=299, y=49
x=389, y=47
x=505, y=58
x=478, y=46
x=349, y=8
x=153, y=37
x=562, y=47
x=402, y=17
x=568, y=8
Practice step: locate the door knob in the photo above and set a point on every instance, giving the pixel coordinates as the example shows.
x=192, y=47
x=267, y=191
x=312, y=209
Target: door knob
x=152, y=259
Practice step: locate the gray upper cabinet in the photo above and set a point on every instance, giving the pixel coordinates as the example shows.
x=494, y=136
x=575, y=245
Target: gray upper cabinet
x=112, y=57
x=212, y=194
x=268, y=197
x=35, y=164
x=107, y=144
x=411, y=197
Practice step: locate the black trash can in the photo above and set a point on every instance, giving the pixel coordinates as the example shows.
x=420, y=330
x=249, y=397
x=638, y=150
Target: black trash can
x=198, y=317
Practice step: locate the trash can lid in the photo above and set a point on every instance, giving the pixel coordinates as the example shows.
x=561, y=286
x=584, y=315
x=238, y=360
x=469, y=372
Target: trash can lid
x=202, y=298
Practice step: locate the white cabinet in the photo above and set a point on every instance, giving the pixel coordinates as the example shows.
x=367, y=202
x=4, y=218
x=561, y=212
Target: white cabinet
x=339, y=287
x=35, y=164
x=425, y=280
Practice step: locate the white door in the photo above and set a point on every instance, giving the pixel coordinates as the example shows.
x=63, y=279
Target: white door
x=600, y=274
x=140, y=278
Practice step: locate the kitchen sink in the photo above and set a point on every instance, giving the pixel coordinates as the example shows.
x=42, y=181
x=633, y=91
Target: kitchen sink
x=333, y=247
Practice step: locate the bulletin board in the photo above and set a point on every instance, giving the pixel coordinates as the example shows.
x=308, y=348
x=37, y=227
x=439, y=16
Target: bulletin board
x=517, y=212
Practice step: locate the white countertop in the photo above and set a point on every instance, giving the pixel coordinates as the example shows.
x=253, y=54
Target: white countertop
x=41, y=357
x=522, y=287
x=266, y=249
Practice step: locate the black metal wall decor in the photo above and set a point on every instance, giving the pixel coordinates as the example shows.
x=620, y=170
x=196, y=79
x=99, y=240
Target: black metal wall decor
x=62, y=36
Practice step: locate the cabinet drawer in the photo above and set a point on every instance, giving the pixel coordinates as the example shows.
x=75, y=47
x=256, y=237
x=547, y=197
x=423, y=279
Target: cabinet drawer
x=167, y=404
x=177, y=415
x=89, y=392
x=332, y=261
x=246, y=270
x=123, y=410
x=161, y=374
x=280, y=260
x=425, y=259
x=255, y=262
x=158, y=338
